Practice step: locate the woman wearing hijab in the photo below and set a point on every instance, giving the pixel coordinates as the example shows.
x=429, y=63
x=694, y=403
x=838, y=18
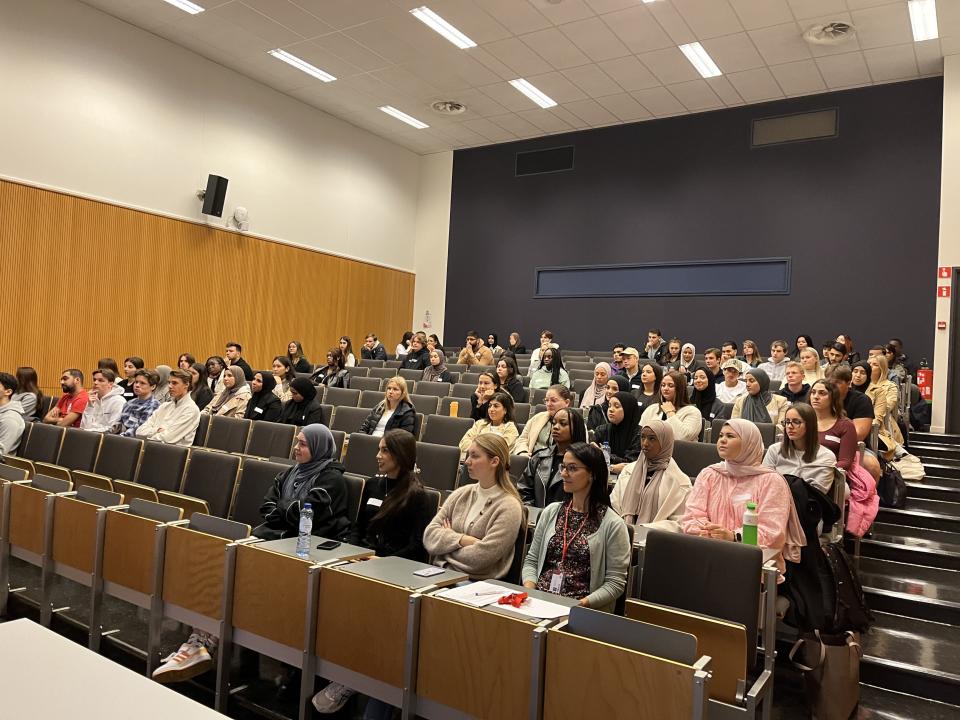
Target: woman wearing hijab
x=653, y=490
x=622, y=431
x=597, y=415
x=264, y=404
x=759, y=404
x=437, y=370
x=162, y=393
x=860, y=374
x=596, y=394
x=704, y=394
x=721, y=492
x=688, y=364
x=303, y=407
x=232, y=402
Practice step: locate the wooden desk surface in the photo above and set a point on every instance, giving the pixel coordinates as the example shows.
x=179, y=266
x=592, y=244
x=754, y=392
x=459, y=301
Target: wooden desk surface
x=344, y=551
x=88, y=686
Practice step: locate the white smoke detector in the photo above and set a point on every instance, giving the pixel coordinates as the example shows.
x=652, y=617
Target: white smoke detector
x=832, y=33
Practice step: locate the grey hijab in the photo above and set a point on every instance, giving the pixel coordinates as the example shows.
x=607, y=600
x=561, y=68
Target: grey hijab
x=323, y=450
x=755, y=406
x=240, y=381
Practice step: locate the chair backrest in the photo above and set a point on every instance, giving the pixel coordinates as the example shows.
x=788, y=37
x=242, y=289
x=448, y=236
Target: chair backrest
x=341, y=396
x=326, y=412
x=437, y=497
x=445, y=430
x=393, y=364
x=355, y=485
x=519, y=552
x=457, y=368
x=79, y=449
x=470, y=378
x=463, y=390
x=51, y=484
x=426, y=404
x=768, y=431
x=384, y=373
x=438, y=465
x=43, y=445
x=775, y=385
x=200, y=437
x=370, y=398
x=517, y=465
x=366, y=383
x=521, y=413
x=463, y=409
x=119, y=457
x=269, y=438
x=13, y=474
x=370, y=363
x=339, y=437
x=97, y=496
x=581, y=386
x=358, y=371
x=228, y=434
x=439, y=389
x=154, y=511
x=349, y=419
x=410, y=375
x=692, y=457
x=538, y=395
x=256, y=478
x=212, y=476
x=362, y=454
x=161, y=466
x=219, y=526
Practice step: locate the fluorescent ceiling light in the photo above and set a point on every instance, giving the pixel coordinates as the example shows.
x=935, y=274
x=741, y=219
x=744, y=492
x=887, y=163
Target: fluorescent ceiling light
x=531, y=92
x=186, y=6
x=429, y=18
x=923, y=19
x=303, y=65
x=699, y=58
x=402, y=116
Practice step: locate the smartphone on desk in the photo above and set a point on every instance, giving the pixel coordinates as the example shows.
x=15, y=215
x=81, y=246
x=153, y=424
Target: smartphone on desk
x=329, y=545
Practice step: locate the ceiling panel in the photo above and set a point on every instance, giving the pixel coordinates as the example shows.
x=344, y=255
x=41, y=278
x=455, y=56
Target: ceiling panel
x=799, y=78
x=696, y=95
x=625, y=107
x=593, y=81
x=891, y=63
x=756, y=85
x=756, y=14
x=595, y=39
x=556, y=48
x=840, y=71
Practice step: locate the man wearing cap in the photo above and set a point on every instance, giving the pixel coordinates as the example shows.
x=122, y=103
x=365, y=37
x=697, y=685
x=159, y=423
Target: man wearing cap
x=729, y=352
x=631, y=367
x=732, y=386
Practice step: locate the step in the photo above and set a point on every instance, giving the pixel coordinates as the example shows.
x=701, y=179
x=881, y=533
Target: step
x=927, y=450
x=911, y=590
x=935, y=438
x=939, y=467
x=912, y=656
x=919, y=512
x=935, y=488
x=878, y=703
x=913, y=545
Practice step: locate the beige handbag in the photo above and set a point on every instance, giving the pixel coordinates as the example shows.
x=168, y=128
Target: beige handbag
x=831, y=672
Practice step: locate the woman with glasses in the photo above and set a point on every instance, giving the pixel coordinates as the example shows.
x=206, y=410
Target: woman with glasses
x=539, y=483
x=800, y=452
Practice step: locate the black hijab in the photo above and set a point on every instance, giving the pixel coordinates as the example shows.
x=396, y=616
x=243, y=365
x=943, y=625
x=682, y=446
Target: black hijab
x=622, y=436
x=868, y=370
x=292, y=409
x=704, y=399
x=260, y=399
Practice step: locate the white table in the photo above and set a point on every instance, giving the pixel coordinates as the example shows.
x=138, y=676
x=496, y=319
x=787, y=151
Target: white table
x=44, y=675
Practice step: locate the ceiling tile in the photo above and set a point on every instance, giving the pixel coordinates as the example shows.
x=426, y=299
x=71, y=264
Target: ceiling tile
x=493, y=64
x=929, y=57
x=696, y=95
x=568, y=117
x=557, y=86
x=406, y=82
x=351, y=51
x=669, y=65
x=672, y=23
x=323, y=59
x=841, y=71
x=605, y=6
x=803, y=9
x=465, y=134
x=883, y=26
x=799, y=78
x=733, y=53
x=518, y=57
x=755, y=14
x=554, y=47
x=346, y=13
x=515, y=124
x=255, y=23
x=478, y=103
x=563, y=12
x=593, y=81
x=709, y=18
x=625, y=107
x=638, y=29
x=546, y=120
x=290, y=16
x=504, y=94
x=518, y=17
x=756, y=85
x=595, y=39
x=377, y=37
x=489, y=130
x=780, y=44
x=892, y=63
x=857, y=4
x=659, y=101
x=948, y=19
x=591, y=112
x=725, y=91
x=629, y=73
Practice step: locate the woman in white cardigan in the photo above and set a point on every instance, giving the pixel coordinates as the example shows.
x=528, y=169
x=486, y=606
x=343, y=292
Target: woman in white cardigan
x=674, y=408
x=653, y=490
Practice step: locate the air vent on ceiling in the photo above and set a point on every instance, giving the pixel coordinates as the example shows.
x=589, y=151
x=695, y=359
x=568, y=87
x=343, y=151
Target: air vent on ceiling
x=831, y=33
x=551, y=160
x=448, y=107
x=798, y=127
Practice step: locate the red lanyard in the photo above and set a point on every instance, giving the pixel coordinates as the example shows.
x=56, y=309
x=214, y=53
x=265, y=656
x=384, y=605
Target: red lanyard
x=566, y=543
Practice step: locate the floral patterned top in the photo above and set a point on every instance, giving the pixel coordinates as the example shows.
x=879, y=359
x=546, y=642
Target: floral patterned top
x=576, y=567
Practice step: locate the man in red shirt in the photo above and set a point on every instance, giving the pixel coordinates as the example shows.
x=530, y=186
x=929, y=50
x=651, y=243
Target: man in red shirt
x=70, y=407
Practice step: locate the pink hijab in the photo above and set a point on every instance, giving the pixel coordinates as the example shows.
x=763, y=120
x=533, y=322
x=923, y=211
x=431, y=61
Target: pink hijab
x=751, y=451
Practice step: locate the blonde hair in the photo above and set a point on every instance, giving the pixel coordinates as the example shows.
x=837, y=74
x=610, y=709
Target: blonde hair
x=402, y=384
x=884, y=368
x=494, y=446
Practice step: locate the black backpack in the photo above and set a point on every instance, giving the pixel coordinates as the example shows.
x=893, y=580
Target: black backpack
x=850, y=610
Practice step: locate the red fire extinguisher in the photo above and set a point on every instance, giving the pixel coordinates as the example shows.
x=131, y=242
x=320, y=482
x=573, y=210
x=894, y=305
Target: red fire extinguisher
x=925, y=380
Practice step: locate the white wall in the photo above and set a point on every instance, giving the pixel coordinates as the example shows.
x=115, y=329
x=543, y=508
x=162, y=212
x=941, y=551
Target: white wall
x=430, y=252
x=97, y=107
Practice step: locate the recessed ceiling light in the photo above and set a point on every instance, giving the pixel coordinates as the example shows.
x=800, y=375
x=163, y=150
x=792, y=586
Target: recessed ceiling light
x=699, y=58
x=186, y=6
x=433, y=21
x=533, y=93
x=923, y=19
x=302, y=65
x=402, y=116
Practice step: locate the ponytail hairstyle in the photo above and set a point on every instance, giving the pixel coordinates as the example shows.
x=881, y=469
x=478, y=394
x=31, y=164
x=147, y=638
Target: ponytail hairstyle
x=402, y=446
x=494, y=446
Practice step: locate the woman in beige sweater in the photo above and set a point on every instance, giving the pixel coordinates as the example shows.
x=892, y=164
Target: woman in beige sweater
x=500, y=421
x=476, y=529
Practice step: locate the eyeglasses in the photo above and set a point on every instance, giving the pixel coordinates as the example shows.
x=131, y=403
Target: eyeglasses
x=568, y=469
x=792, y=422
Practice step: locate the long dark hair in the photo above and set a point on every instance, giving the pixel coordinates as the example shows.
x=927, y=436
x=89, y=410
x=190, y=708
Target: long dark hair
x=403, y=447
x=191, y=360
x=556, y=364
x=578, y=428
x=657, y=375
x=811, y=439
x=680, y=384
x=795, y=353
x=28, y=382
x=336, y=354
x=405, y=341
x=108, y=364
x=201, y=379
x=288, y=373
x=294, y=359
x=217, y=358
x=506, y=400
x=596, y=465
x=349, y=350
x=511, y=366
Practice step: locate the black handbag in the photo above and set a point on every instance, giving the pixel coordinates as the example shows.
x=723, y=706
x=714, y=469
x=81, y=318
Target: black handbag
x=891, y=488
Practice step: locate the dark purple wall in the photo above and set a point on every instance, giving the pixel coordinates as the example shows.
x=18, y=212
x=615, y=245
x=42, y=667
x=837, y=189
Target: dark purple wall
x=858, y=215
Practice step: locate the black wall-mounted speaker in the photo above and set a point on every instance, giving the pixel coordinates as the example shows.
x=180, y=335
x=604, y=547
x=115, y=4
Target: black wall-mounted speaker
x=215, y=195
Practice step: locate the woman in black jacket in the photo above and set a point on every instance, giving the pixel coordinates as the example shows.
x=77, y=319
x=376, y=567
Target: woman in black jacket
x=199, y=389
x=334, y=373
x=418, y=357
x=621, y=431
x=295, y=355
x=303, y=407
x=509, y=379
x=394, y=412
x=263, y=404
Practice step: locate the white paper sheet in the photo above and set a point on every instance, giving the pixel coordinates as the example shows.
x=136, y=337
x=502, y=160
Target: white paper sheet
x=477, y=594
x=537, y=608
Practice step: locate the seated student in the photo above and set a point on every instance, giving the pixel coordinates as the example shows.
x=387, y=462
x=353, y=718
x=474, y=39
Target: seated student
x=263, y=403
x=794, y=389
x=728, y=351
x=617, y=364
x=476, y=529
x=836, y=356
x=732, y=386
x=184, y=361
x=674, y=409
x=437, y=370
x=536, y=433
x=303, y=407
x=858, y=409
x=651, y=375
x=346, y=349
x=297, y=360
x=597, y=414
x=474, y=351
x=215, y=371
x=688, y=364
x=234, y=356
x=540, y=483
x=106, y=403
x=622, y=431
x=751, y=354
x=418, y=356
x=849, y=354
x=130, y=367
x=137, y=411
x=487, y=384
x=721, y=492
x=515, y=346
x=759, y=404
x=175, y=422
x=199, y=389
x=317, y=478
x=550, y=372
x=898, y=370
x=499, y=421
x=672, y=358
x=580, y=548
x=546, y=341
x=810, y=361
x=28, y=393
x=161, y=392
x=885, y=398
x=493, y=345
x=711, y=361
x=803, y=342
x=656, y=348
x=836, y=432
x=69, y=408
x=232, y=402
x=394, y=412
x=11, y=416
x=508, y=376
x=631, y=367
x=334, y=373
x=403, y=347
x=800, y=452
x=372, y=348
x=704, y=395
x=860, y=376
x=283, y=374
x=596, y=394
x=776, y=365
x=653, y=490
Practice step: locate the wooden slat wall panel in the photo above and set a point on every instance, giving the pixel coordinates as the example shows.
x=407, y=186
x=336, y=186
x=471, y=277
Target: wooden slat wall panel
x=86, y=279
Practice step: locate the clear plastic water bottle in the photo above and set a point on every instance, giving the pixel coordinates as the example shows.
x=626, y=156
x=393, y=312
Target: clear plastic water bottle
x=606, y=453
x=750, y=516
x=306, y=526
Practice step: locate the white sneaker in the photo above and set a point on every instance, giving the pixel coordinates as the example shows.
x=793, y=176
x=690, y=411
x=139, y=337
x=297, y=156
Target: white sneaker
x=190, y=660
x=333, y=697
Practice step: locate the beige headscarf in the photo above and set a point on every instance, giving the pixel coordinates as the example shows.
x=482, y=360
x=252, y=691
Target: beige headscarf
x=639, y=496
x=223, y=397
x=751, y=451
